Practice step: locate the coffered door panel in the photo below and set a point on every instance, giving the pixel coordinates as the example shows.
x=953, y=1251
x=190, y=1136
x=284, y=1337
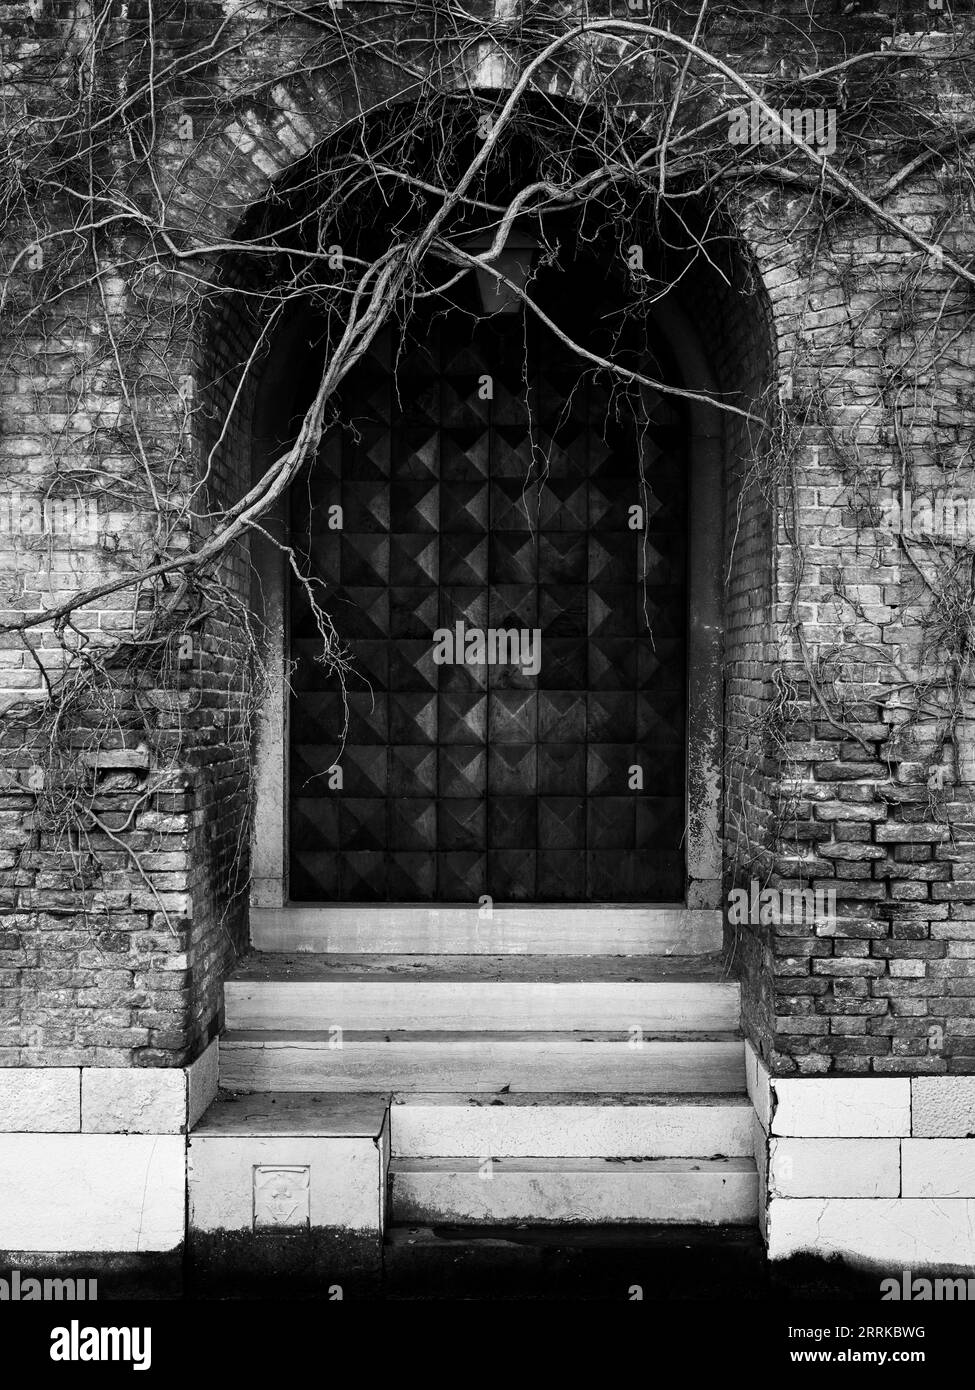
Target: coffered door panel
x=550, y=771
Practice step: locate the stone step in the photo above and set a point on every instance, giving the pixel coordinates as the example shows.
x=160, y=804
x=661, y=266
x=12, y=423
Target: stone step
x=271, y=1163
x=509, y=929
x=480, y=1061
x=462, y=993
x=294, y=1114
x=441, y=1191
x=561, y=1125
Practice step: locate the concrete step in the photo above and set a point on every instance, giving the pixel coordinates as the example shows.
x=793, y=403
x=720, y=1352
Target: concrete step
x=441, y=1191
x=560, y=1125
x=508, y=929
x=462, y=993
x=480, y=1061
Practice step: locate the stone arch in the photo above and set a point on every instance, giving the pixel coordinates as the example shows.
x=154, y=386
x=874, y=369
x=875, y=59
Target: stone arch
x=236, y=163
x=723, y=340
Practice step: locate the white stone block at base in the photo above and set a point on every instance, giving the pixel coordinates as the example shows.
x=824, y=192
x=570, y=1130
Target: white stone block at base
x=202, y=1078
x=831, y=1108
x=938, y=1167
x=834, y=1168
x=92, y=1192
x=887, y=1234
x=133, y=1100
x=943, y=1106
x=346, y=1182
x=40, y=1100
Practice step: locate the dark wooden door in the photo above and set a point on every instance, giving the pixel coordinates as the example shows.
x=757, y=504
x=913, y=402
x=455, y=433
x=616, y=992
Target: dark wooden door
x=485, y=479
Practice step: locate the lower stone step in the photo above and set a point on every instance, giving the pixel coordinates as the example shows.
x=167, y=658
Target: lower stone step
x=444, y=1191
x=570, y=1126
x=479, y=1062
x=282, y=1162
x=460, y=993
x=612, y=1263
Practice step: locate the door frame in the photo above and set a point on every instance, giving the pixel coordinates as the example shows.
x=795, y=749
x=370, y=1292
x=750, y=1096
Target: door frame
x=704, y=628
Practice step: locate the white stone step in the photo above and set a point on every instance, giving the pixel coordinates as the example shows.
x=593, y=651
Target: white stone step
x=479, y=992
x=330, y=1151
x=570, y=1126
x=449, y=1191
x=539, y=929
x=293, y=1115
x=479, y=1061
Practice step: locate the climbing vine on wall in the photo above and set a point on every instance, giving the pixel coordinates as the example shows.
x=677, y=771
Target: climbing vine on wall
x=628, y=116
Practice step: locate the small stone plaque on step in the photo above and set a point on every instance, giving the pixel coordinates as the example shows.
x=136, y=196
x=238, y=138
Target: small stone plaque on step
x=282, y=1198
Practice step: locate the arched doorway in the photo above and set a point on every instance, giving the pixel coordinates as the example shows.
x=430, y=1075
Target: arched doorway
x=413, y=556
x=499, y=533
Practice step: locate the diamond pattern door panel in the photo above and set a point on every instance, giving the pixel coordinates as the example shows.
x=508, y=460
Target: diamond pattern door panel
x=439, y=505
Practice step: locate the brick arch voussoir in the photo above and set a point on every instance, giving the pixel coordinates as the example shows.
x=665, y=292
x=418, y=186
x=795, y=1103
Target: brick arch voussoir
x=236, y=161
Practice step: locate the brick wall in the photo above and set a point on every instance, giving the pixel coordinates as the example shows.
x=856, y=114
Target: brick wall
x=112, y=964
x=874, y=790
